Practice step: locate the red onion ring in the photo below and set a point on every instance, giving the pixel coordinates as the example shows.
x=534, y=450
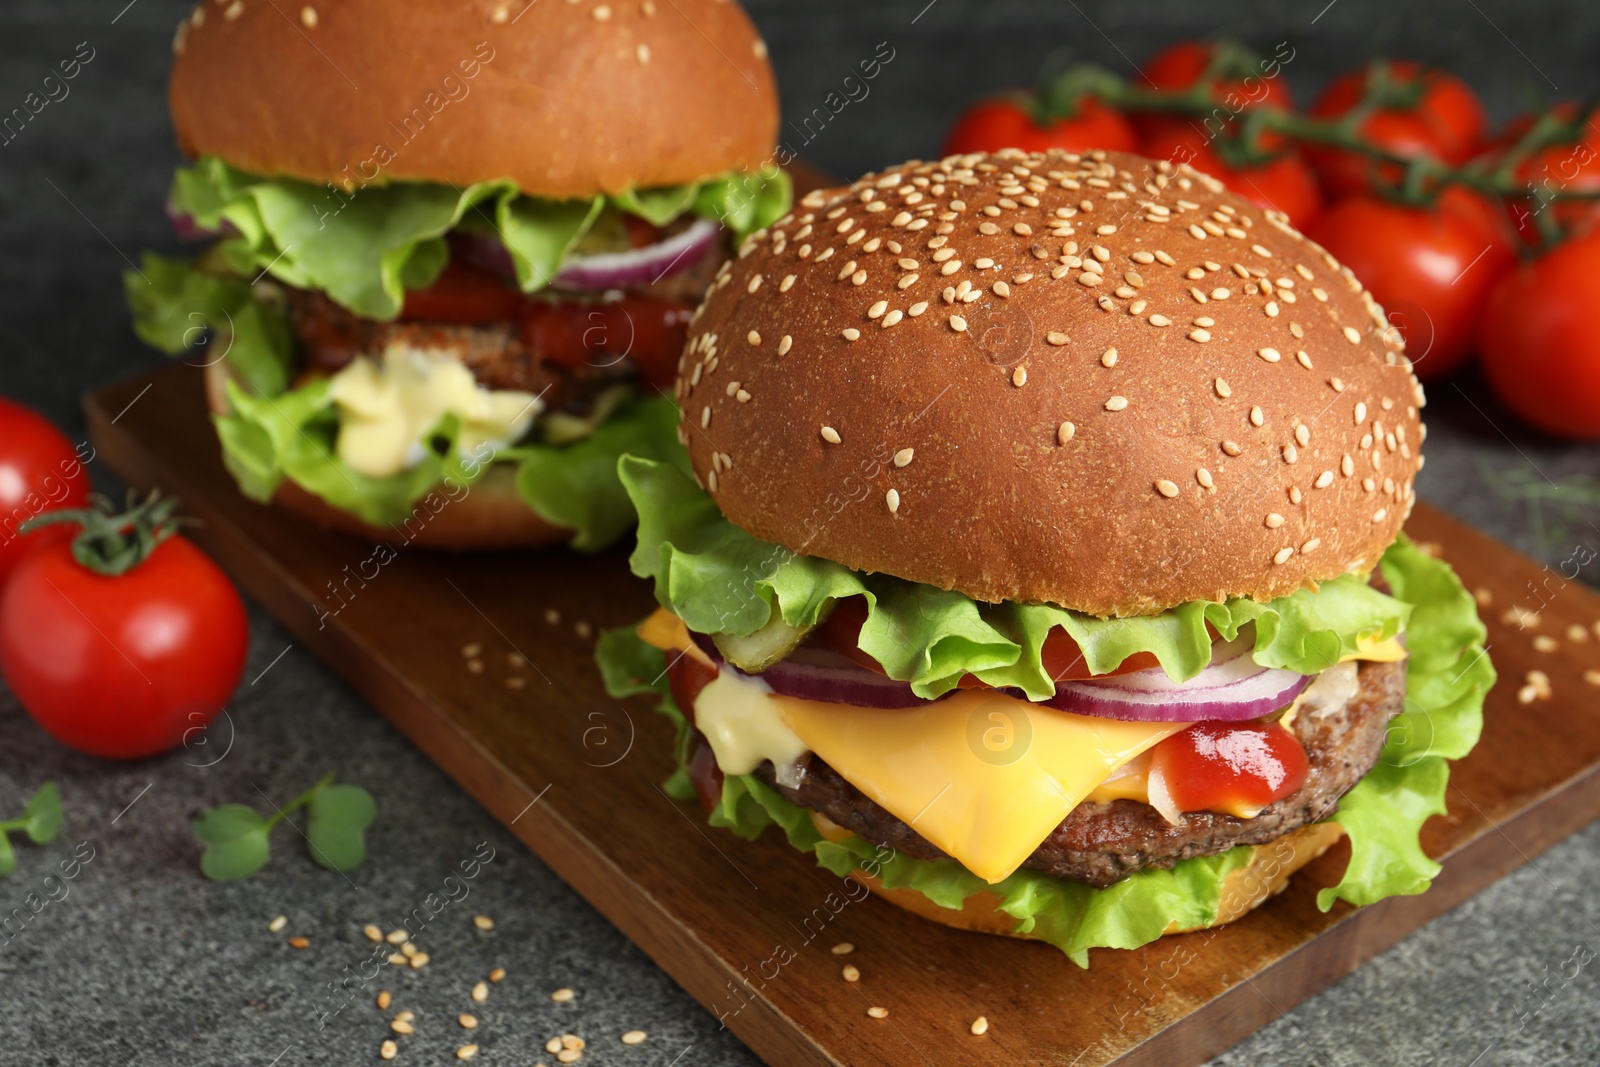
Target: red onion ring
x=632, y=269
x=187, y=229
x=1233, y=688
x=812, y=672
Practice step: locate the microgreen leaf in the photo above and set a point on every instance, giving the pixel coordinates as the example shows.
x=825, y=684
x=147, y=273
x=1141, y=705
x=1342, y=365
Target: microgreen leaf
x=41, y=820
x=8, y=857
x=235, y=837
x=338, y=816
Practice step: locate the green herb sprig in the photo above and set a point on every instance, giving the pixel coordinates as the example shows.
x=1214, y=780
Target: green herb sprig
x=237, y=837
x=40, y=820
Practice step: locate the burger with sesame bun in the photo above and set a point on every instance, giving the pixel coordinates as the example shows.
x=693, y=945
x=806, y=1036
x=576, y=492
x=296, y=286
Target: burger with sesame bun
x=1040, y=564
x=453, y=248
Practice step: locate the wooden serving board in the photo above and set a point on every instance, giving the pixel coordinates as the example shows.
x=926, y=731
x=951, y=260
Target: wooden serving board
x=747, y=928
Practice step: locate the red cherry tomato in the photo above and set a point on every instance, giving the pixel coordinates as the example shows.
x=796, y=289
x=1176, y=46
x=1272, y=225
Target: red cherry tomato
x=1285, y=183
x=1431, y=268
x=39, y=471
x=1220, y=766
x=122, y=666
x=1178, y=68
x=1541, y=341
x=1558, y=168
x=1446, y=123
x=1447, y=106
x=1006, y=123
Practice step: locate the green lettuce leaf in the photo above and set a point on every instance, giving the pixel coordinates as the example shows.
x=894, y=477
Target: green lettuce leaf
x=719, y=579
x=576, y=485
x=1448, y=676
x=364, y=249
x=174, y=305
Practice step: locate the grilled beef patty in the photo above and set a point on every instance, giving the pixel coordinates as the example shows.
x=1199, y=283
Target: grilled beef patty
x=1101, y=844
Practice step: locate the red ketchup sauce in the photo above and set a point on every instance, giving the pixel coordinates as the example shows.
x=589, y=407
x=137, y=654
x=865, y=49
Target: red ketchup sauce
x=1222, y=766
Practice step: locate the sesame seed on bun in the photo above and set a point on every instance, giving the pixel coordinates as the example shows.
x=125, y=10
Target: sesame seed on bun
x=1114, y=385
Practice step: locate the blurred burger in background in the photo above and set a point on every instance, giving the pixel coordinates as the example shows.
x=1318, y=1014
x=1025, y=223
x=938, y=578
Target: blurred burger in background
x=454, y=248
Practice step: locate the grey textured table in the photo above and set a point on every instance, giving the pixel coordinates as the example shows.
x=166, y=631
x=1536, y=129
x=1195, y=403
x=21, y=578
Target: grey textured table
x=145, y=963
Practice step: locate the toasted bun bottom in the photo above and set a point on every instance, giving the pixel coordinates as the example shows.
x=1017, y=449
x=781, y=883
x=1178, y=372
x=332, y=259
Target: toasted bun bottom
x=489, y=515
x=1243, y=889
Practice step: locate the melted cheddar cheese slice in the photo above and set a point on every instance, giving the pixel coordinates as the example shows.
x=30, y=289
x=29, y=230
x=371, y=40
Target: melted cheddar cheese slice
x=984, y=776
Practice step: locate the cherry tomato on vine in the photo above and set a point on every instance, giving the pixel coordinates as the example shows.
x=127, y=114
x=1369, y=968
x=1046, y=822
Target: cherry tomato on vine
x=1446, y=105
x=118, y=648
x=1244, y=82
x=1541, y=341
x=1431, y=268
x=1008, y=123
x=39, y=471
x=1558, y=168
x=1285, y=182
x=1446, y=122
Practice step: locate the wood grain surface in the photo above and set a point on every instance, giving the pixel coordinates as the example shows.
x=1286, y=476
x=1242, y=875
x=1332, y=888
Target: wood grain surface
x=747, y=928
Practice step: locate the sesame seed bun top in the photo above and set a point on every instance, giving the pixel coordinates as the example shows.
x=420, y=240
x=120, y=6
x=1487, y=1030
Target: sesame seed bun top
x=566, y=99
x=1100, y=382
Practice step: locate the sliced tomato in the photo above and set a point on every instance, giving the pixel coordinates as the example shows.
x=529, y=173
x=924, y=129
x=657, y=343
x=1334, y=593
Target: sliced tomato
x=646, y=330
x=1220, y=766
x=686, y=676
x=465, y=295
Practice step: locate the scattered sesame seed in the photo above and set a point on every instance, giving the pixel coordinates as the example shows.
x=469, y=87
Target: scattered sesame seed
x=1203, y=476
x=1577, y=634
x=1166, y=488
x=1303, y=359
x=480, y=992
x=308, y=17
x=1200, y=335
x=1116, y=403
x=1224, y=390
x=643, y=52
x=705, y=416
x=1290, y=453
x=1545, y=643
x=785, y=344
x=1108, y=358
x=1380, y=514
x=958, y=324
x=892, y=498
x=300, y=942
x=483, y=922
x=1159, y=320
x=1271, y=355
x=633, y=1037
x=1056, y=337
x=1592, y=677
x=385, y=998
x=467, y=1022
x=850, y=333
x=1283, y=555
x=877, y=1012
x=1001, y=289
x=980, y=1026
x=1257, y=417
x=1360, y=413
x=1352, y=335
x=1310, y=546
x=1324, y=480
x=851, y=973
x=1064, y=432
x=843, y=948
x=561, y=996
x=234, y=10
x=283, y=920
x=1274, y=521
x=753, y=337
x=466, y=1052
x=830, y=435
x=904, y=456
x=893, y=317
x=497, y=974
x=419, y=961
x=877, y=309
x=400, y=1026
x=388, y=1050
x=1019, y=377
x=918, y=308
